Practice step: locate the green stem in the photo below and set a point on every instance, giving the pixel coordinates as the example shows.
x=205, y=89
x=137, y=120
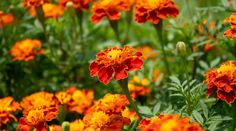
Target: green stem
x=124, y=85
x=159, y=30
x=234, y=116
x=41, y=18
x=129, y=16
x=114, y=26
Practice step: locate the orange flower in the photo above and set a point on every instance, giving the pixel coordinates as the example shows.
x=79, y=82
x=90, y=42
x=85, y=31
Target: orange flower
x=100, y=121
x=112, y=103
x=138, y=87
x=77, y=125
x=5, y=19
x=26, y=49
x=8, y=106
x=37, y=100
x=155, y=10
x=50, y=11
x=81, y=4
x=37, y=118
x=109, y=8
x=34, y=3
x=55, y=128
x=231, y=33
x=117, y=61
x=147, y=52
x=131, y=114
x=168, y=122
x=222, y=82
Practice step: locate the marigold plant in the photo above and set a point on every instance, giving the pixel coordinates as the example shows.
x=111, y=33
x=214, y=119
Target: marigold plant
x=231, y=33
x=117, y=61
x=26, y=50
x=155, y=10
x=7, y=107
x=34, y=3
x=5, y=19
x=222, y=81
x=168, y=122
x=110, y=9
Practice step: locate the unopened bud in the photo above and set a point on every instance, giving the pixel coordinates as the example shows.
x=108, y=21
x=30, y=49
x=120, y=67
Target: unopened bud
x=65, y=126
x=181, y=48
x=69, y=4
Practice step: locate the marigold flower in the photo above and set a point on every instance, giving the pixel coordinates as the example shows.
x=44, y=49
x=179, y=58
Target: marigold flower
x=110, y=9
x=138, y=87
x=155, y=10
x=112, y=103
x=34, y=3
x=77, y=125
x=131, y=114
x=37, y=118
x=7, y=107
x=100, y=121
x=222, y=82
x=55, y=128
x=231, y=33
x=26, y=50
x=117, y=61
x=50, y=11
x=147, y=52
x=5, y=19
x=39, y=99
x=168, y=122
x=81, y=4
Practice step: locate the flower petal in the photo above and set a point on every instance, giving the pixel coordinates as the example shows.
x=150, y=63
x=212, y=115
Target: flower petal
x=94, y=68
x=120, y=71
x=134, y=63
x=105, y=74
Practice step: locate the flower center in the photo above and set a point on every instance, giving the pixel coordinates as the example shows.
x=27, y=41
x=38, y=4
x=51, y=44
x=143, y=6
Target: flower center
x=113, y=54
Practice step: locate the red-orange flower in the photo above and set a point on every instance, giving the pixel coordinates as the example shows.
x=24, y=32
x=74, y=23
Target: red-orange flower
x=112, y=104
x=34, y=3
x=117, y=61
x=131, y=114
x=37, y=118
x=231, y=33
x=168, y=122
x=155, y=10
x=222, y=82
x=100, y=121
x=26, y=49
x=5, y=19
x=138, y=87
x=7, y=107
x=39, y=99
x=147, y=51
x=110, y=9
x=50, y=11
x=81, y=4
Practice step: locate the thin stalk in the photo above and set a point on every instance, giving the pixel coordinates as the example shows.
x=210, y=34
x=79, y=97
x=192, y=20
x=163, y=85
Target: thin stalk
x=41, y=18
x=159, y=30
x=129, y=16
x=233, y=116
x=124, y=85
x=114, y=26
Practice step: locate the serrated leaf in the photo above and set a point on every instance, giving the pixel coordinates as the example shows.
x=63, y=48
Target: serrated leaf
x=204, y=65
x=197, y=116
x=145, y=110
x=215, y=62
x=157, y=108
x=175, y=80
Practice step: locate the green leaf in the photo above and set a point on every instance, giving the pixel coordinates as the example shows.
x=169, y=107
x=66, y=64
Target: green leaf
x=175, y=80
x=157, y=108
x=197, y=116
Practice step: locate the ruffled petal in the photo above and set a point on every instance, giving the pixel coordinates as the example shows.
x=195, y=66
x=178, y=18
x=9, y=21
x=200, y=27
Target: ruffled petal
x=134, y=63
x=105, y=74
x=94, y=68
x=120, y=71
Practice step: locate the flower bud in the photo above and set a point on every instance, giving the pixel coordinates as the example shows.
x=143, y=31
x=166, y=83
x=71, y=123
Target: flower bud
x=65, y=126
x=181, y=48
x=69, y=4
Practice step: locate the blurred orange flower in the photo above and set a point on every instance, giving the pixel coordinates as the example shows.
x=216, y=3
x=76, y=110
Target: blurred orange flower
x=81, y=4
x=7, y=107
x=155, y=10
x=39, y=99
x=168, y=122
x=77, y=125
x=110, y=9
x=37, y=118
x=100, y=121
x=147, y=52
x=138, y=87
x=5, y=19
x=34, y=3
x=231, y=33
x=50, y=11
x=112, y=103
x=117, y=61
x=131, y=114
x=222, y=81
x=26, y=49
x=55, y=128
